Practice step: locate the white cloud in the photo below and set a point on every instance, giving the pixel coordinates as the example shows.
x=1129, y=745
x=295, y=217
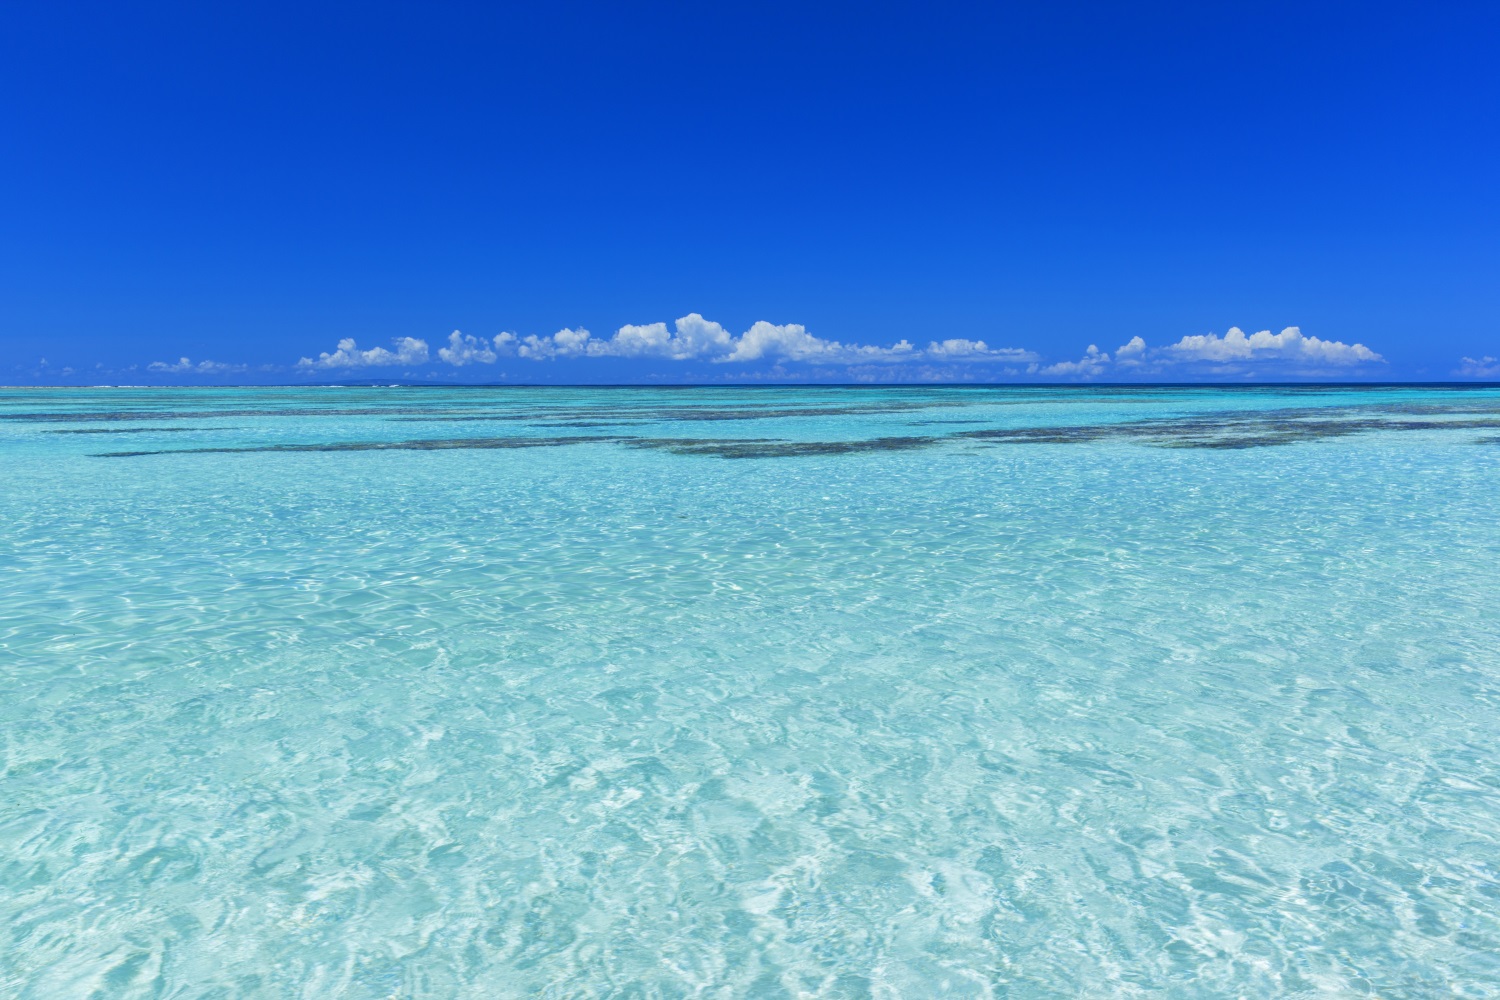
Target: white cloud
x=185, y=367
x=791, y=342
x=1485, y=367
x=959, y=348
x=694, y=338
x=1288, y=352
x=465, y=350
x=1288, y=345
x=690, y=338
x=470, y=350
x=1093, y=363
x=565, y=343
x=650, y=340
x=1131, y=353
x=409, y=351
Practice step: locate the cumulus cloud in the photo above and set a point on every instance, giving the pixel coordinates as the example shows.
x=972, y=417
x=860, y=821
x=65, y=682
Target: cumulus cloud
x=792, y=342
x=1093, y=363
x=765, y=348
x=690, y=338
x=185, y=367
x=693, y=338
x=648, y=340
x=1131, y=353
x=565, y=343
x=1287, y=352
x=464, y=349
x=1485, y=367
x=1288, y=345
x=409, y=351
x=962, y=349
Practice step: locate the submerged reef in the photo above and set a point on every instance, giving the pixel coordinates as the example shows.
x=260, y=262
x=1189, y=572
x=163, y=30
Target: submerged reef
x=1218, y=430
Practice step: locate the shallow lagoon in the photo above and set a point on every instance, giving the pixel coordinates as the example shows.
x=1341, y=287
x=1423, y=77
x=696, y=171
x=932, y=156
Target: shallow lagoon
x=1023, y=692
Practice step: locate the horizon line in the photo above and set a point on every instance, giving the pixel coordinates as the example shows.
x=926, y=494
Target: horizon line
x=382, y=384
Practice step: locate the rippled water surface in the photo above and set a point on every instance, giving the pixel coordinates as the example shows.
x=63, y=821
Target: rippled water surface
x=894, y=693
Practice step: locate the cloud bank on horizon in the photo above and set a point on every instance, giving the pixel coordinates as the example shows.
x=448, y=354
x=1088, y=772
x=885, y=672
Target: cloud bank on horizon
x=1233, y=353
x=182, y=366
x=693, y=338
x=770, y=352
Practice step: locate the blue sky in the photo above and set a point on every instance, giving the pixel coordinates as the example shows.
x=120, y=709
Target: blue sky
x=757, y=192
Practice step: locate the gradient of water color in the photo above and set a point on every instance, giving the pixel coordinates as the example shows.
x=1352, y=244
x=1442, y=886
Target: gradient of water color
x=750, y=693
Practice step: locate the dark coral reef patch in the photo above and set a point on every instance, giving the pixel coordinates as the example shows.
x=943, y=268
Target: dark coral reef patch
x=764, y=448
x=1222, y=430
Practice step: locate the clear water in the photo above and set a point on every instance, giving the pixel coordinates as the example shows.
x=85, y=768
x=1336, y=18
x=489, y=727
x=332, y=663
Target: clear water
x=757, y=693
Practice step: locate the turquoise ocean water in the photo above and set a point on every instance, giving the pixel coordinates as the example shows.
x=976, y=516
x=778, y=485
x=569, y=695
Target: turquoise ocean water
x=813, y=692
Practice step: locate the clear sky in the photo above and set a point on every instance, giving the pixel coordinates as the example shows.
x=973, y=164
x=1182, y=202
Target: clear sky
x=748, y=192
